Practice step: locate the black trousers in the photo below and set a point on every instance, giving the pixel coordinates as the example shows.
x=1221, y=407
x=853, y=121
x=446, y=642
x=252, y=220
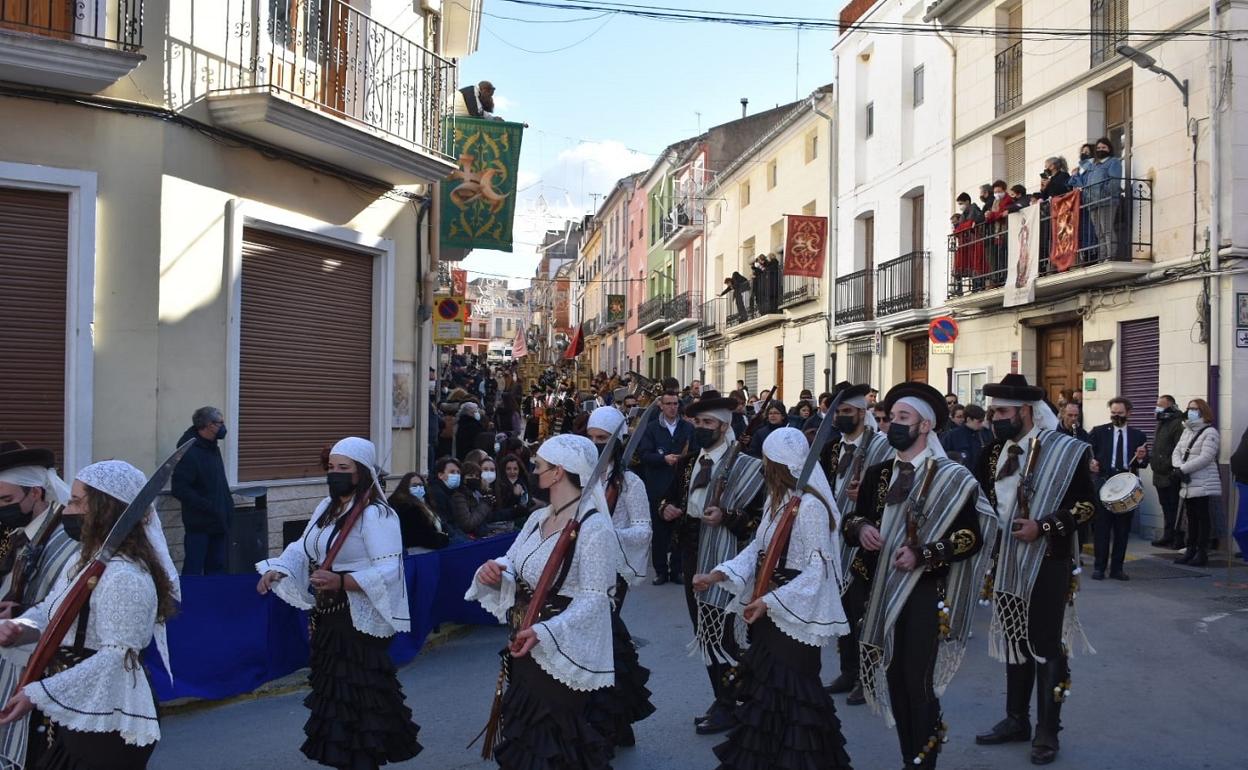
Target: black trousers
x=1199, y=522
x=1111, y=531
x=854, y=600
x=1168, y=496
x=1048, y=606
x=664, y=551
x=915, y=638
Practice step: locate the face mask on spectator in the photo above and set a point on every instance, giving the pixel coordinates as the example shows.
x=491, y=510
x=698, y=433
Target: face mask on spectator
x=418, y=492
x=1084, y=155
x=998, y=195
x=1102, y=154
x=1193, y=415
x=452, y=481
x=488, y=477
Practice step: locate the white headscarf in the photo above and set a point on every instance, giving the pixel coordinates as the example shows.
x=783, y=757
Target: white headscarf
x=577, y=455
x=606, y=418
x=38, y=476
x=1042, y=415
x=925, y=411
x=789, y=447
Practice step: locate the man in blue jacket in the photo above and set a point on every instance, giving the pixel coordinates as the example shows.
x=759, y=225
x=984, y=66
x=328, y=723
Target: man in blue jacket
x=661, y=446
x=1116, y=448
x=199, y=484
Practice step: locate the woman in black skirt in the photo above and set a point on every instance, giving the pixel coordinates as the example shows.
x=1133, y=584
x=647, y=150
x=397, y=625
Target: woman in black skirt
x=566, y=656
x=359, y=719
x=786, y=721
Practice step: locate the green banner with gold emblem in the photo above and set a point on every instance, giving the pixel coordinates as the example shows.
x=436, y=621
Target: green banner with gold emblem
x=479, y=199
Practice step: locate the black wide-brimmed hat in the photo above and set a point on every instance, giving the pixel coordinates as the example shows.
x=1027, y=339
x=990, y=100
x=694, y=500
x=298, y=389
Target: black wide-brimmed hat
x=842, y=385
x=925, y=393
x=853, y=391
x=15, y=454
x=710, y=401
x=1015, y=388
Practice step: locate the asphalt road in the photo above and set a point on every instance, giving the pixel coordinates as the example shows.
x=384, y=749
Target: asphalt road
x=1166, y=690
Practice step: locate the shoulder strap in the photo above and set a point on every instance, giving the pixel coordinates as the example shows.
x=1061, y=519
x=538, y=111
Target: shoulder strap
x=1187, y=452
x=567, y=562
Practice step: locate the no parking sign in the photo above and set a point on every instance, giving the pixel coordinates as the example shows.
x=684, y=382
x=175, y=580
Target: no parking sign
x=942, y=333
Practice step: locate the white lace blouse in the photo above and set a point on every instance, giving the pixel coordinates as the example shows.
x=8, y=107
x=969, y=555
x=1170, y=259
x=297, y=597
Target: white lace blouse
x=631, y=518
x=372, y=553
x=574, y=646
x=808, y=608
x=107, y=692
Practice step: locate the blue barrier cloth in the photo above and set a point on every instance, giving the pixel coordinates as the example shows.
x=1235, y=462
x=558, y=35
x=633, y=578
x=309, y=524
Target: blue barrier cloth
x=1241, y=521
x=228, y=640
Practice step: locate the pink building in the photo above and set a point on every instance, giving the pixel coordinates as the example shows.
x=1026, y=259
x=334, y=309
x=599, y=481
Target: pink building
x=638, y=249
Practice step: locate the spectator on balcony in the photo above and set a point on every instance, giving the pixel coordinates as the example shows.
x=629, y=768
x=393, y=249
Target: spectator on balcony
x=985, y=197
x=1078, y=178
x=476, y=101
x=772, y=278
x=998, y=227
x=970, y=212
x=1102, y=192
x=1022, y=198
x=968, y=257
x=1055, y=179
x=739, y=285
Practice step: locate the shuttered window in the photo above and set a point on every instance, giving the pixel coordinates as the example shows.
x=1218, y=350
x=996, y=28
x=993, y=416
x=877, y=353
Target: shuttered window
x=34, y=254
x=305, y=353
x=1015, y=160
x=808, y=373
x=1139, y=373
x=749, y=373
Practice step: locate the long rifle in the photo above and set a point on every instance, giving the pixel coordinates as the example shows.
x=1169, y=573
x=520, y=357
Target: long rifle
x=915, y=505
x=1027, y=485
x=757, y=420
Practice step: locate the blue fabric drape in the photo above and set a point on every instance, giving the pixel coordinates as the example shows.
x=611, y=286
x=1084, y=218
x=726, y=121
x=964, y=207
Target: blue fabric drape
x=228, y=640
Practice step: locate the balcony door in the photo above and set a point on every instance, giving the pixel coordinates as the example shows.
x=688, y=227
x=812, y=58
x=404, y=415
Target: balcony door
x=41, y=17
x=312, y=50
x=779, y=379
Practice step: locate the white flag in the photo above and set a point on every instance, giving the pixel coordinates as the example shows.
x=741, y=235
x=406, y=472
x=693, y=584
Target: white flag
x=1024, y=257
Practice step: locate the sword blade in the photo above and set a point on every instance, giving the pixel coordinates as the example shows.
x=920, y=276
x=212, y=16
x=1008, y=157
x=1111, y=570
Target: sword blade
x=816, y=446
x=634, y=440
x=133, y=515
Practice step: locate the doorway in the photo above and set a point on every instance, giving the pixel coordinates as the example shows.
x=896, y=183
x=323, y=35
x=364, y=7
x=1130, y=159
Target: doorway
x=780, y=371
x=1059, y=353
x=916, y=359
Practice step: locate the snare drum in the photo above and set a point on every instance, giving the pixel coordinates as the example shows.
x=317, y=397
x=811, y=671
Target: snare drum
x=1122, y=493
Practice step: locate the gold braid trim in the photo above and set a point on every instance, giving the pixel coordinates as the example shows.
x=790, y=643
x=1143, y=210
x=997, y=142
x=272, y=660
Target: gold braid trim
x=993, y=458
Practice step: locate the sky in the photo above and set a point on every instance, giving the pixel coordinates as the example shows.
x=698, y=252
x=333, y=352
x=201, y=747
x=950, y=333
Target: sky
x=606, y=94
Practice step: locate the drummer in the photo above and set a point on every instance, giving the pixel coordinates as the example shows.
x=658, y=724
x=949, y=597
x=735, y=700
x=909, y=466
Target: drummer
x=1116, y=448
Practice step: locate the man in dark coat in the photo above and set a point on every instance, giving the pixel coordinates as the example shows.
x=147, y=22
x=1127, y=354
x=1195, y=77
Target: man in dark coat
x=200, y=485
x=1116, y=448
x=665, y=439
x=1169, y=428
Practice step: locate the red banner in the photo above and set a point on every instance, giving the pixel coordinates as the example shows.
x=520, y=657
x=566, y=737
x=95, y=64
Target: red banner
x=520, y=347
x=575, y=347
x=804, y=245
x=459, y=283
x=1064, y=213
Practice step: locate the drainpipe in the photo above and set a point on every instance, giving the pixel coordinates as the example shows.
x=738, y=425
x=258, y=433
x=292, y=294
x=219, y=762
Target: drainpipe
x=1214, y=282
x=953, y=166
x=422, y=343
x=830, y=315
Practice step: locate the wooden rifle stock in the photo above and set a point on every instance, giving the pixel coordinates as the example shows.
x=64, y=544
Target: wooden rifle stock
x=912, y=524
x=758, y=419
x=779, y=542
x=61, y=622
x=721, y=483
x=554, y=564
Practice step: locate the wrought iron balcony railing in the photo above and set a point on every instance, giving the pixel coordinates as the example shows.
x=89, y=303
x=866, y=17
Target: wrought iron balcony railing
x=901, y=284
x=853, y=297
x=654, y=310
x=714, y=316
x=1009, y=78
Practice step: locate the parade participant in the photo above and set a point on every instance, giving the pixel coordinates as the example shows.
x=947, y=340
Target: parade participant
x=358, y=715
x=1040, y=482
x=786, y=720
x=921, y=523
x=32, y=497
x=717, y=497
x=553, y=666
x=858, y=447
x=614, y=710
x=99, y=702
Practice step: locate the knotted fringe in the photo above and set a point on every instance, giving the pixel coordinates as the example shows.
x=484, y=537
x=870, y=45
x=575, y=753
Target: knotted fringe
x=492, y=732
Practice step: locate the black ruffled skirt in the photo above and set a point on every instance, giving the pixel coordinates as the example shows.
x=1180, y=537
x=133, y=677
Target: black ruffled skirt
x=359, y=719
x=545, y=726
x=785, y=721
x=73, y=750
x=614, y=710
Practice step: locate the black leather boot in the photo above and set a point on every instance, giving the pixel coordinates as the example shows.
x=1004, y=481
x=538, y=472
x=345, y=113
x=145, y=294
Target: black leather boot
x=1201, y=559
x=1016, y=727
x=1052, y=684
x=1165, y=541
x=843, y=683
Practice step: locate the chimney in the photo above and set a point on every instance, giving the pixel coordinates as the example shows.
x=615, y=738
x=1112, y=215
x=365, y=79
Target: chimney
x=745, y=103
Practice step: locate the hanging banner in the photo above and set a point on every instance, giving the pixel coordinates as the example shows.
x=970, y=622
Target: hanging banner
x=479, y=198
x=1064, y=214
x=804, y=245
x=520, y=346
x=459, y=283
x=616, y=304
x=1024, y=257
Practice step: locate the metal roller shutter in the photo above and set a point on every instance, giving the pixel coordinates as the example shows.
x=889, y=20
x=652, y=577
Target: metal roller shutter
x=749, y=373
x=305, y=353
x=34, y=260
x=808, y=373
x=1138, y=355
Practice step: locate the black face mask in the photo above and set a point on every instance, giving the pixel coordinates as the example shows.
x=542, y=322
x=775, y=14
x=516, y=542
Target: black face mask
x=1085, y=155
x=901, y=437
x=705, y=438
x=340, y=484
x=1118, y=420
x=600, y=447
x=72, y=526
x=1004, y=430
x=1102, y=154
x=845, y=423
x=12, y=517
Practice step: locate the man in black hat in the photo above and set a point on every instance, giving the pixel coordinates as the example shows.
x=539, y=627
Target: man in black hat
x=921, y=523
x=717, y=497
x=1039, y=480
x=856, y=447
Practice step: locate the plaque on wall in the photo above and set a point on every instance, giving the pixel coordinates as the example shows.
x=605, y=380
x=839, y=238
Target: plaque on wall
x=1096, y=356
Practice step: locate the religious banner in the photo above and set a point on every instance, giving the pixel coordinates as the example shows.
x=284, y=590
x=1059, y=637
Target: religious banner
x=479, y=198
x=1024, y=257
x=804, y=245
x=1064, y=214
x=616, y=304
x=519, y=347
x=576, y=346
x=459, y=283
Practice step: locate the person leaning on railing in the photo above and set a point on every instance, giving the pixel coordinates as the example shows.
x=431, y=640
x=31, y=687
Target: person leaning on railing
x=1102, y=192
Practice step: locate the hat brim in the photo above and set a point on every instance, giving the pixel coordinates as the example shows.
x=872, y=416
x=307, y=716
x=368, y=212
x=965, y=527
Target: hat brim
x=925, y=393
x=710, y=405
x=1026, y=393
x=40, y=458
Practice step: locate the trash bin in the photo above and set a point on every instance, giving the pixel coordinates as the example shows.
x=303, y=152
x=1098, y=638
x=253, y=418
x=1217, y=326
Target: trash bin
x=249, y=531
x=292, y=530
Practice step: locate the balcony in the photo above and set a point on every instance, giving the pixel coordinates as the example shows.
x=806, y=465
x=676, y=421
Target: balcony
x=853, y=298
x=653, y=316
x=796, y=289
x=324, y=80
x=607, y=324
x=714, y=317
x=901, y=284
x=1009, y=78
x=590, y=328
x=1109, y=29
x=682, y=224
x=1118, y=250
x=83, y=46
x=685, y=312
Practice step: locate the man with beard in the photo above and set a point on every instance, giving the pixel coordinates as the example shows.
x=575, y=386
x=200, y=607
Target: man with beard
x=717, y=496
x=858, y=447
x=476, y=101
x=1040, y=482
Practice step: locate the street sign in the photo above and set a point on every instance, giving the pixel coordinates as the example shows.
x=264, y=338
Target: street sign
x=943, y=330
x=448, y=308
x=941, y=348
x=1241, y=338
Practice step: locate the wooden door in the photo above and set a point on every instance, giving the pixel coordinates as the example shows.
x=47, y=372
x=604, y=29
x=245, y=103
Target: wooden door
x=916, y=360
x=1059, y=350
x=780, y=370
x=42, y=17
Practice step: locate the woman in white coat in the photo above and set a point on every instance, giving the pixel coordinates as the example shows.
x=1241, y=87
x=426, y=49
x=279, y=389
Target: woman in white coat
x=1195, y=461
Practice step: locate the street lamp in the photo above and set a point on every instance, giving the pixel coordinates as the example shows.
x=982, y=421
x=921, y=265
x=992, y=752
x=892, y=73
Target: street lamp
x=1144, y=61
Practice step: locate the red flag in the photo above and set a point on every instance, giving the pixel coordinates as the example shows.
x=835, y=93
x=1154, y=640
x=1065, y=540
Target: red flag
x=576, y=347
x=520, y=347
x=1064, y=213
x=804, y=245
x=459, y=283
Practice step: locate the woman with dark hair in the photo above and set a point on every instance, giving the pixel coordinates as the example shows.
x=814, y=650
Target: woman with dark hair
x=1195, y=461
x=554, y=665
x=507, y=416
x=1102, y=193
x=511, y=490
x=422, y=529
x=777, y=417
x=801, y=413
x=97, y=700
x=358, y=715
x=786, y=720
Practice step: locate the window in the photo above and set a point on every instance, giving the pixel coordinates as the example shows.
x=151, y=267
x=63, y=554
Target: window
x=1009, y=60
x=917, y=81
x=747, y=253
x=508, y=324
x=498, y=327
x=1015, y=159
x=860, y=360
x=777, y=236
x=812, y=146
x=1118, y=121
x=745, y=194
x=968, y=385
x=808, y=373
x=870, y=119
x=749, y=373
x=1109, y=29
x=772, y=177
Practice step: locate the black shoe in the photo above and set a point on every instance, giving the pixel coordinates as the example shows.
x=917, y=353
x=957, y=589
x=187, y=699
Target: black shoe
x=719, y=720
x=1044, y=748
x=842, y=684
x=1164, y=542
x=1201, y=558
x=1119, y=576
x=1187, y=557
x=660, y=580
x=1008, y=730
x=678, y=579
x=1098, y=574
x=856, y=697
